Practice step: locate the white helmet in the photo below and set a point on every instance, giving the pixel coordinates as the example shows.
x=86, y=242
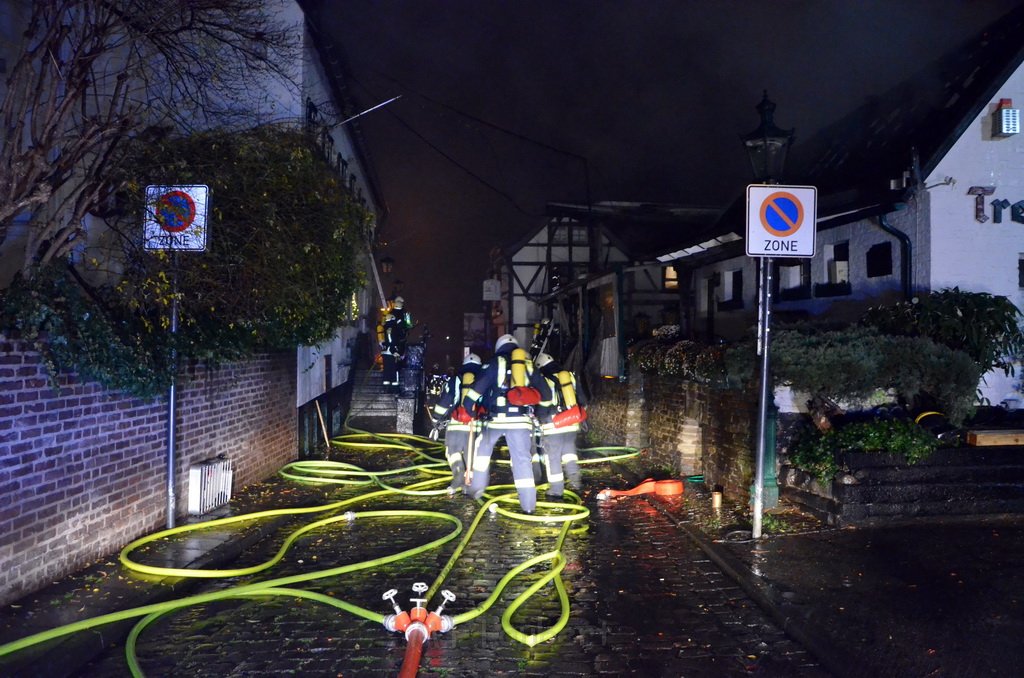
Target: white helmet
x=505, y=340
x=542, y=360
x=472, y=358
x=399, y=302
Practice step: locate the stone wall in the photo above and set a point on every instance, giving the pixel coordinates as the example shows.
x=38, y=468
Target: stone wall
x=686, y=427
x=83, y=470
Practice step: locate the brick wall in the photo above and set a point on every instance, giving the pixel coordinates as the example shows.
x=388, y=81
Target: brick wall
x=687, y=427
x=82, y=471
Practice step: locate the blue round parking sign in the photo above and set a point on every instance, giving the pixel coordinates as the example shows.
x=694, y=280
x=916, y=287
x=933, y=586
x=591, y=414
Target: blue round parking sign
x=782, y=214
x=175, y=211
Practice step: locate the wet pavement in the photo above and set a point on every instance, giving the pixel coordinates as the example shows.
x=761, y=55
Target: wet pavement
x=658, y=586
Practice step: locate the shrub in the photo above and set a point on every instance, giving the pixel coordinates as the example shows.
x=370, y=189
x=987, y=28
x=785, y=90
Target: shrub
x=285, y=256
x=679, y=358
x=857, y=361
x=815, y=451
x=985, y=326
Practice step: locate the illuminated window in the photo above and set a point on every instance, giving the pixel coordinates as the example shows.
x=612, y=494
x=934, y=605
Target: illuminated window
x=669, y=278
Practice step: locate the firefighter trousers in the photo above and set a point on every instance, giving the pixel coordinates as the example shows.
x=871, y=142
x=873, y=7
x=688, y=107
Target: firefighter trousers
x=518, y=439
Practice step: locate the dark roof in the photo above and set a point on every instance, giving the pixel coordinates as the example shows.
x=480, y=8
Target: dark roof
x=912, y=126
x=909, y=128
x=641, y=230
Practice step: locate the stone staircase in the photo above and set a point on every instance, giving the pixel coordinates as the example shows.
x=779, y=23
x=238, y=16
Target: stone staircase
x=372, y=408
x=876, y=487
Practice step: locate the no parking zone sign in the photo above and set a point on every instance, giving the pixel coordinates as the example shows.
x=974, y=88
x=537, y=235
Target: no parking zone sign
x=781, y=220
x=175, y=218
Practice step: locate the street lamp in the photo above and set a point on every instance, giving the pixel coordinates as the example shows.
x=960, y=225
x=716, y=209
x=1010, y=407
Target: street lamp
x=766, y=147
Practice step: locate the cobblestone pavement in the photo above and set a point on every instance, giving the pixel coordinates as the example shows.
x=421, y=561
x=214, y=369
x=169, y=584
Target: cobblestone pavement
x=645, y=600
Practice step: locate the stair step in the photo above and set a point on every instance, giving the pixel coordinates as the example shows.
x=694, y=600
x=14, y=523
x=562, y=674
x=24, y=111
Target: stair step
x=952, y=482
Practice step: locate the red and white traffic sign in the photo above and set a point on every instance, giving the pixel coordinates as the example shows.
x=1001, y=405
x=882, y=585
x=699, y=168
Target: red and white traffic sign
x=781, y=220
x=175, y=218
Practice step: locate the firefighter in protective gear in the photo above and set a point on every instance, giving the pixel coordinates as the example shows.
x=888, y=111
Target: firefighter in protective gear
x=504, y=392
x=397, y=323
x=460, y=425
x=560, y=415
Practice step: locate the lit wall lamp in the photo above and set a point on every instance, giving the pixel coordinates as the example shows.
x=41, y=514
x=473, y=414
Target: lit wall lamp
x=1005, y=119
x=767, y=145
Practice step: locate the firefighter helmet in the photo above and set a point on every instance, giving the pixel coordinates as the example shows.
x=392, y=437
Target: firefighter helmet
x=542, y=359
x=472, y=358
x=505, y=340
x=399, y=302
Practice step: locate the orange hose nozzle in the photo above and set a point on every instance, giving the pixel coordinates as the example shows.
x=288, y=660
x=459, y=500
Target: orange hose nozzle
x=649, y=486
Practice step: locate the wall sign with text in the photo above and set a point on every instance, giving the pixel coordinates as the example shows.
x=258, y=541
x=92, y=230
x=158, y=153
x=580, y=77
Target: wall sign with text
x=999, y=206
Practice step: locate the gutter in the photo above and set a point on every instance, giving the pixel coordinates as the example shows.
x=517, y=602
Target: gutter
x=906, y=253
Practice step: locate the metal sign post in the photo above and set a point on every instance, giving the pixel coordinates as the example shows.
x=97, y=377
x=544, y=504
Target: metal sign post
x=175, y=220
x=780, y=222
x=172, y=502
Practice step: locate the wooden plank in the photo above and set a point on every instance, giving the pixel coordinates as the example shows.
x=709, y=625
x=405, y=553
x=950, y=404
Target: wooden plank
x=982, y=438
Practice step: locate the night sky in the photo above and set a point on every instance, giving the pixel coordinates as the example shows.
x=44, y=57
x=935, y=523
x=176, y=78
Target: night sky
x=509, y=105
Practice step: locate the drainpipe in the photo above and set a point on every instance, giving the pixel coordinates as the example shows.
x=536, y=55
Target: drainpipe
x=906, y=252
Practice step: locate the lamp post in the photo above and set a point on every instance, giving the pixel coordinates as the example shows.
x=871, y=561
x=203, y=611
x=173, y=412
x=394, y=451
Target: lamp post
x=766, y=147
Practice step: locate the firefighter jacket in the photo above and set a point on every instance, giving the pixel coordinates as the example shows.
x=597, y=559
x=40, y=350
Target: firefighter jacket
x=489, y=392
x=454, y=391
x=397, y=323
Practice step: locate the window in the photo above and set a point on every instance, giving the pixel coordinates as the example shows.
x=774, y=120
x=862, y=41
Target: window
x=879, y=260
x=669, y=278
x=559, y=276
x=1020, y=271
x=732, y=291
x=793, y=279
x=838, y=266
x=559, y=235
x=579, y=235
x=837, y=272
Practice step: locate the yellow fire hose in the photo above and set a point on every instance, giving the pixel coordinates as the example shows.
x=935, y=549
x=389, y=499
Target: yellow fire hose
x=561, y=515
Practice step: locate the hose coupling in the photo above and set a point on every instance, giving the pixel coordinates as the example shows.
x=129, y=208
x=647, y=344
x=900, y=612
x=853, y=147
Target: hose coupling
x=397, y=622
x=447, y=597
x=417, y=627
x=350, y=516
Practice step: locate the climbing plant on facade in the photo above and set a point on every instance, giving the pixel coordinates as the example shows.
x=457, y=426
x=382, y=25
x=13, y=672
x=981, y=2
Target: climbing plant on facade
x=284, y=256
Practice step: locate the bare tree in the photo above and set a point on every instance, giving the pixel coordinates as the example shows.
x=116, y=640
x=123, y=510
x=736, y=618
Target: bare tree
x=92, y=74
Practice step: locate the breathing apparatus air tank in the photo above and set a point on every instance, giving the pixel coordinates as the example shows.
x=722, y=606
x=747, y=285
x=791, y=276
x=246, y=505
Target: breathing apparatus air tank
x=568, y=390
x=519, y=393
x=573, y=413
